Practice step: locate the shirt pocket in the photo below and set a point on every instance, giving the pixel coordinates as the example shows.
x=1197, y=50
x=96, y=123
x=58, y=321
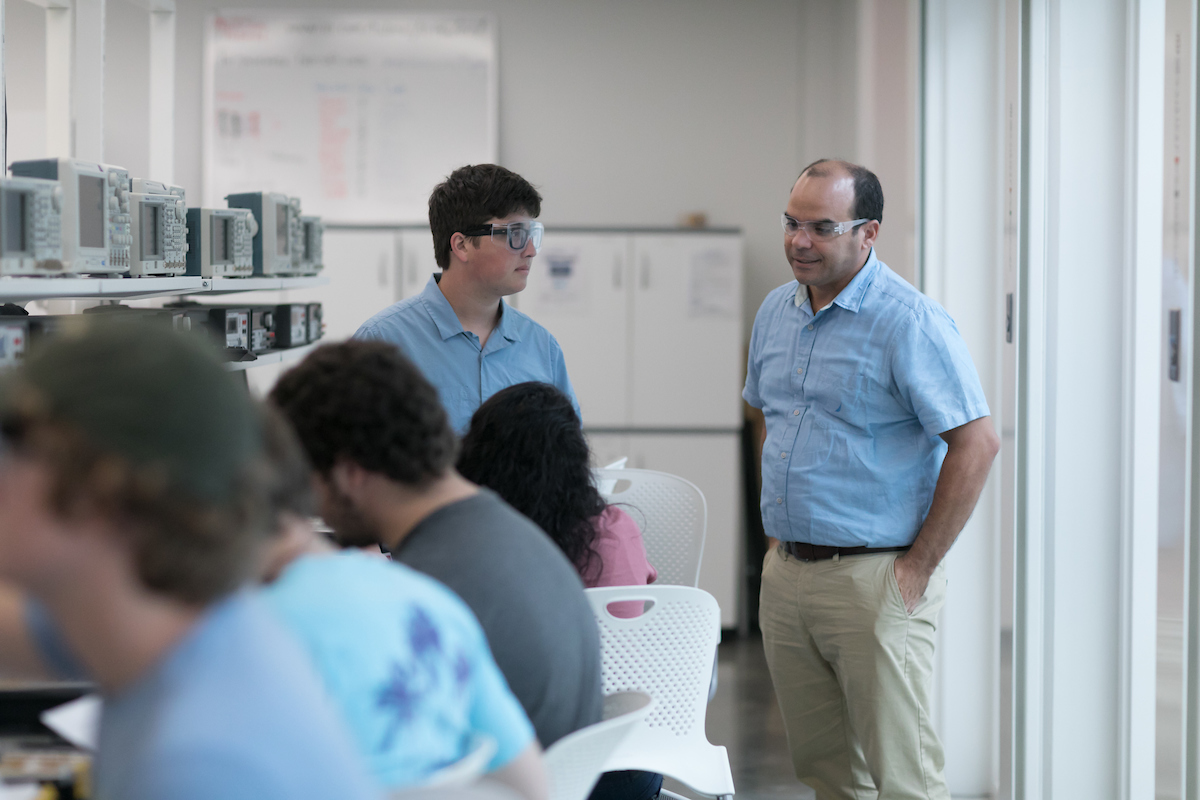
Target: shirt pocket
x=841, y=391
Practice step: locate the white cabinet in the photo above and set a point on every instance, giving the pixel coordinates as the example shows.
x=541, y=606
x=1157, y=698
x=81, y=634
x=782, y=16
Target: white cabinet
x=686, y=337
x=649, y=323
x=711, y=461
x=416, y=260
x=650, y=326
x=578, y=290
x=361, y=265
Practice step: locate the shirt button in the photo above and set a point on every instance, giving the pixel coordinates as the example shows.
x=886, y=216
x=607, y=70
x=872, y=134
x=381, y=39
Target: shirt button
x=799, y=370
x=810, y=327
x=779, y=500
x=796, y=413
x=783, y=455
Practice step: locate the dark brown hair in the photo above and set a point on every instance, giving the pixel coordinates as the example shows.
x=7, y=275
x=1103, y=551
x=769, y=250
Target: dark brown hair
x=472, y=195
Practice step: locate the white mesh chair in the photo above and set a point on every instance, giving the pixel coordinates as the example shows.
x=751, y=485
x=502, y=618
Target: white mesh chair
x=667, y=653
x=671, y=513
x=575, y=762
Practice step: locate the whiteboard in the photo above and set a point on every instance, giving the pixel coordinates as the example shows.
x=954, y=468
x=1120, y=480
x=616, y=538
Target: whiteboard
x=359, y=115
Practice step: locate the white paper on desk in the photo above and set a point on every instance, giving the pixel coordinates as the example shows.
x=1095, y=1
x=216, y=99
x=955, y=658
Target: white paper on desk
x=77, y=721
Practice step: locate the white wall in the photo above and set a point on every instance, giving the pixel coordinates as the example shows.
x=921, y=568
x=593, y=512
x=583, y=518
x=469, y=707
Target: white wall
x=623, y=112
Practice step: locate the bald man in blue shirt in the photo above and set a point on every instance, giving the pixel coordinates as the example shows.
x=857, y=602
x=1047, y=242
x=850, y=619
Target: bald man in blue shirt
x=459, y=332
x=878, y=441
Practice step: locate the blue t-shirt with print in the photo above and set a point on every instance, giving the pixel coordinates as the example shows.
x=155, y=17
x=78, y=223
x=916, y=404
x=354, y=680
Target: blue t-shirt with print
x=406, y=661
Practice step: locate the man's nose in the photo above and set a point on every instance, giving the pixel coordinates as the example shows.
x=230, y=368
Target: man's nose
x=801, y=239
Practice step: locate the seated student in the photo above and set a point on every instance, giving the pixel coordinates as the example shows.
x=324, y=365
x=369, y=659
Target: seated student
x=401, y=655
x=526, y=444
x=384, y=453
x=458, y=331
x=132, y=507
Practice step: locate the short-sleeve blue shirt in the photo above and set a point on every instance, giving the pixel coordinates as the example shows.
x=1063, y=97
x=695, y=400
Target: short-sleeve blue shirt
x=855, y=397
x=405, y=660
x=234, y=710
x=427, y=330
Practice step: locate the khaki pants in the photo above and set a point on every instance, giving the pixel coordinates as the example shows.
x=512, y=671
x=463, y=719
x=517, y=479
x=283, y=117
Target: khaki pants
x=852, y=670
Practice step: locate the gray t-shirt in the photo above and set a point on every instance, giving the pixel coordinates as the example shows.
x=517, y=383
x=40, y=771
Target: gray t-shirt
x=529, y=600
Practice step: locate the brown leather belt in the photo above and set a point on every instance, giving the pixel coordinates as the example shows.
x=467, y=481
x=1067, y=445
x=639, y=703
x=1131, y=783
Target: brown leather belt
x=819, y=552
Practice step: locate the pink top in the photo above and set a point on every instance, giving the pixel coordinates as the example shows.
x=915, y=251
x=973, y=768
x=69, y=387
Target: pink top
x=622, y=557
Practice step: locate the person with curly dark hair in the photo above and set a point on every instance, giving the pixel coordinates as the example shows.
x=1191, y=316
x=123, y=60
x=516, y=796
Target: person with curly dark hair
x=401, y=655
x=458, y=331
x=383, y=453
x=526, y=444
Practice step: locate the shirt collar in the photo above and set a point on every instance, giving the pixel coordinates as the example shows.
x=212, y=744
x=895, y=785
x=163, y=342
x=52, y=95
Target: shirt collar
x=507, y=327
x=440, y=309
x=447, y=321
x=851, y=297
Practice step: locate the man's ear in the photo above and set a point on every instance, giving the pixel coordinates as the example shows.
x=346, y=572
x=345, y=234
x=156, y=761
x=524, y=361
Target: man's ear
x=459, y=250
x=346, y=477
x=870, y=233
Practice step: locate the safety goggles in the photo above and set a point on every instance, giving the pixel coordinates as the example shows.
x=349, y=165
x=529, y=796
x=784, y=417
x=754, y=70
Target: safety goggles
x=819, y=231
x=515, y=234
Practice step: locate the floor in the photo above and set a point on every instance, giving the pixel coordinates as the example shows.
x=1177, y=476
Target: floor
x=744, y=718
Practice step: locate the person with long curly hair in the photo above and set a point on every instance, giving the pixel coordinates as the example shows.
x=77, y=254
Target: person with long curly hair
x=526, y=444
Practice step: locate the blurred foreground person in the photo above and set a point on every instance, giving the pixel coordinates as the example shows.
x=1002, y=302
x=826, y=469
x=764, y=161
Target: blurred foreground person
x=526, y=444
x=383, y=451
x=132, y=507
x=402, y=656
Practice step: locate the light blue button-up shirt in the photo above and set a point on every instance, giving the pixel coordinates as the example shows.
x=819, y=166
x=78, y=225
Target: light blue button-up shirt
x=855, y=397
x=427, y=330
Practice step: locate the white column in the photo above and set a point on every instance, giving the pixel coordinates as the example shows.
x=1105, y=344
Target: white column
x=60, y=56
x=161, y=100
x=162, y=95
x=962, y=234
x=88, y=86
x=1088, y=406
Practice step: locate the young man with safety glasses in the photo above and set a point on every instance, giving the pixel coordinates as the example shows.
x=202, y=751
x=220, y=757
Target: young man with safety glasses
x=469, y=343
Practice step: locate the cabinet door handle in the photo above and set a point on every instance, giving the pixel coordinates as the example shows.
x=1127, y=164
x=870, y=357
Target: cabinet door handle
x=616, y=275
x=645, y=280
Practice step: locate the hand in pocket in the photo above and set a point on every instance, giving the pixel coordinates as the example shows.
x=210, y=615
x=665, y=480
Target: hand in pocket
x=912, y=581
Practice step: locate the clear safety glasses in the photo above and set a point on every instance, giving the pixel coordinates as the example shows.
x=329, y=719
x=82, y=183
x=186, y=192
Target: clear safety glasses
x=515, y=234
x=821, y=231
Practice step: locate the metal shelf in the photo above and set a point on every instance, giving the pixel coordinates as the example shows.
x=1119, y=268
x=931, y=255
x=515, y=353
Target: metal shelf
x=273, y=357
x=25, y=289
x=228, y=285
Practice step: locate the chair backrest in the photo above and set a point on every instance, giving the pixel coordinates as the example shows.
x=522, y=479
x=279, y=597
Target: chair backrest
x=467, y=769
x=575, y=762
x=671, y=513
x=668, y=653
